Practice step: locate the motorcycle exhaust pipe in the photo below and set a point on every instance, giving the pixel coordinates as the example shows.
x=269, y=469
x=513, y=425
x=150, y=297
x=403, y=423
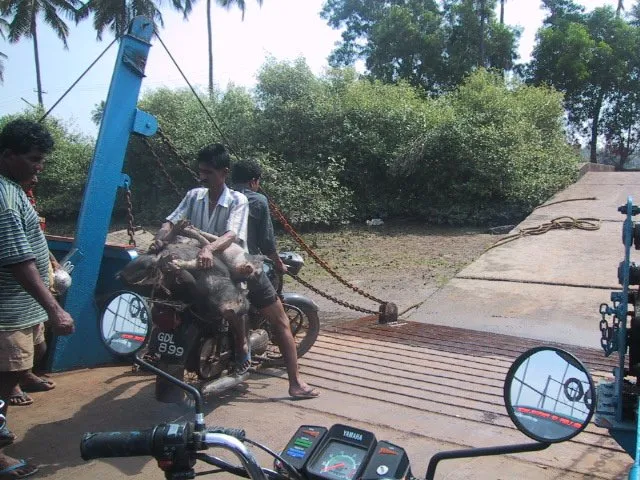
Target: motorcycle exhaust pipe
x=221, y=384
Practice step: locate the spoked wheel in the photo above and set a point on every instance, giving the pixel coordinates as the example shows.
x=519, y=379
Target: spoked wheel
x=208, y=365
x=305, y=326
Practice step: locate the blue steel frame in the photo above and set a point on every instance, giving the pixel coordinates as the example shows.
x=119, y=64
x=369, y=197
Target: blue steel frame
x=609, y=412
x=120, y=119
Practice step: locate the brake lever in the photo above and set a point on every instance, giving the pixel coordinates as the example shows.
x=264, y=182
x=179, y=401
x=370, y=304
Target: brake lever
x=233, y=469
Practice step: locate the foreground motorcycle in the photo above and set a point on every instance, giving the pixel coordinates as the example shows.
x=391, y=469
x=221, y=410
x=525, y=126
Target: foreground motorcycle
x=181, y=340
x=548, y=393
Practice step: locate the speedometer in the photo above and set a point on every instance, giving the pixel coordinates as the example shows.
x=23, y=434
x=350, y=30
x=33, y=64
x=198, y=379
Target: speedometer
x=338, y=460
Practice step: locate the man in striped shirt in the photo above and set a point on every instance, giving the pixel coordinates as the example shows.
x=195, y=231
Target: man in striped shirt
x=25, y=299
x=216, y=209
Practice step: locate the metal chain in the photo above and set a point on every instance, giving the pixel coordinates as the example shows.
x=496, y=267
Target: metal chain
x=130, y=227
x=608, y=339
x=332, y=298
x=282, y=219
x=174, y=150
x=162, y=168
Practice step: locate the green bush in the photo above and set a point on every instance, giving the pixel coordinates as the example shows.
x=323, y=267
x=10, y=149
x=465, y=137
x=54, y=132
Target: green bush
x=500, y=152
x=60, y=185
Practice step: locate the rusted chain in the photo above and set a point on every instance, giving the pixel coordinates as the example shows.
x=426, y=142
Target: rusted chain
x=563, y=223
x=332, y=298
x=162, y=167
x=174, y=150
x=130, y=228
x=282, y=219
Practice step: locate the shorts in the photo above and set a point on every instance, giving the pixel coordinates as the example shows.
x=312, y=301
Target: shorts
x=16, y=348
x=261, y=292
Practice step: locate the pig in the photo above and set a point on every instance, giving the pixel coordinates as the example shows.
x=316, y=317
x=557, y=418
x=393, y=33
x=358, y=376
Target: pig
x=171, y=271
x=241, y=264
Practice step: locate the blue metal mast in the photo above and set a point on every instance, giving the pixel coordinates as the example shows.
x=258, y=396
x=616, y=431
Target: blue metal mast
x=121, y=118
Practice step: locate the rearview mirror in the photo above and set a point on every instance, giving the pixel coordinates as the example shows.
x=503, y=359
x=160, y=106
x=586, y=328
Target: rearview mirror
x=125, y=323
x=549, y=394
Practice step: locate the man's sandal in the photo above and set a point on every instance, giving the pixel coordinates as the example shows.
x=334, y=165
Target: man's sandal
x=20, y=470
x=20, y=400
x=243, y=367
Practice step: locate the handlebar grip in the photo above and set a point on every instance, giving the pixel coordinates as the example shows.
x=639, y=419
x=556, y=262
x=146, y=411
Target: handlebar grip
x=116, y=444
x=238, y=433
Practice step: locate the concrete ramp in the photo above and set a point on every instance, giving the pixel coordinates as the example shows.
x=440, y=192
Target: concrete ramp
x=546, y=287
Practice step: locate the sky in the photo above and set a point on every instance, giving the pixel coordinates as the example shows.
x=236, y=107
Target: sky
x=284, y=29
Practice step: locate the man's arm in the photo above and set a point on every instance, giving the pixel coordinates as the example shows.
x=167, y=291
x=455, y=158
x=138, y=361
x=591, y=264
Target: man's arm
x=267, y=237
x=27, y=275
x=236, y=231
x=277, y=262
x=158, y=240
x=205, y=256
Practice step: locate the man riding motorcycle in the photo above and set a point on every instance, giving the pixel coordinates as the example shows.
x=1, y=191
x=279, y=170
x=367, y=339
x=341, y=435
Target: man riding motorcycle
x=219, y=210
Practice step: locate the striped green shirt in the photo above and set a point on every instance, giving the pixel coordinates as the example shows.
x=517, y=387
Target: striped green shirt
x=21, y=239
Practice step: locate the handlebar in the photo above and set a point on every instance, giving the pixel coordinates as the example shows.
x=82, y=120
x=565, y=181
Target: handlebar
x=236, y=447
x=175, y=444
x=117, y=444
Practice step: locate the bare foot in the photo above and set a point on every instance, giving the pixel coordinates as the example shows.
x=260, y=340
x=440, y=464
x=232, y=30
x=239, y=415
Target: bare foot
x=12, y=468
x=30, y=382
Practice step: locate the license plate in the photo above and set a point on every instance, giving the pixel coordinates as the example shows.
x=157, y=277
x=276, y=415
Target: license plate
x=169, y=345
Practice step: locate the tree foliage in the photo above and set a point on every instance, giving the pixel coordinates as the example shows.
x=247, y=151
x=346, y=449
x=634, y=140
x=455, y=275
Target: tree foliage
x=337, y=148
x=497, y=151
x=117, y=16
x=24, y=15
x=60, y=185
x=418, y=41
x=593, y=59
x=4, y=27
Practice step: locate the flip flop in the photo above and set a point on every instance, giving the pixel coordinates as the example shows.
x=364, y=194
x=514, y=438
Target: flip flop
x=311, y=393
x=11, y=473
x=20, y=400
x=7, y=437
x=244, y=366
x=43, y=385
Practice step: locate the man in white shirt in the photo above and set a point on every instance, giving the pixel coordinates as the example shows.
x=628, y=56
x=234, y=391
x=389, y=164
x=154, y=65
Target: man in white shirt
x=216, y=209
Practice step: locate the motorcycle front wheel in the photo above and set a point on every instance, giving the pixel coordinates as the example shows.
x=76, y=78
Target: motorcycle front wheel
x=305, y=327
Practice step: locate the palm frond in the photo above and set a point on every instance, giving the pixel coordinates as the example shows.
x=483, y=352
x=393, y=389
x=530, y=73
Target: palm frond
x=20, y=26
x=148, y=9
x=4, y=27
x=184, y=6
x=67, y=7
x=2, y=57
x=55, y=22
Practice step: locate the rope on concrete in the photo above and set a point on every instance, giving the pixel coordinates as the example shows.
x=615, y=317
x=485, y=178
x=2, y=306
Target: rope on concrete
x=562, y=223
x=567, y=200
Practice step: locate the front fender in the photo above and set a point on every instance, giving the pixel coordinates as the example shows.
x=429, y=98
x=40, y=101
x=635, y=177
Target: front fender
x=299, y=301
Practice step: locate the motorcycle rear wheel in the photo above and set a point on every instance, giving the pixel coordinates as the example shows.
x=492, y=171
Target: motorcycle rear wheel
x=305, y=327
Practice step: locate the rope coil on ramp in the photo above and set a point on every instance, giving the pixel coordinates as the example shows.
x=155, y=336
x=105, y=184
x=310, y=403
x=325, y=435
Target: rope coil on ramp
x=559, y=223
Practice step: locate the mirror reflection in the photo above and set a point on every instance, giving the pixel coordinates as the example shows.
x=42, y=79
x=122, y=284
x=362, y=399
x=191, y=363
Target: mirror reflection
x=125, y=323
x=549, y=395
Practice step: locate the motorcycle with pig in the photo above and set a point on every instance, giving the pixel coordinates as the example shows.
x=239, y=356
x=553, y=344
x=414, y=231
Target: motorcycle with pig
x=191, y=310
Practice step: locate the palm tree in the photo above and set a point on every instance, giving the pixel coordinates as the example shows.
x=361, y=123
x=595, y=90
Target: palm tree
x=24, y=23
x=226, y=4
x=117, y=15
x=4, y=26
x=483, y=16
